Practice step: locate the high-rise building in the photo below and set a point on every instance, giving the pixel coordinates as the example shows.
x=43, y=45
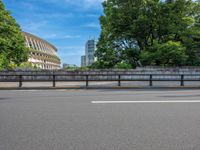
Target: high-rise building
x=89, y=52
x=83, y=61
x=89, y=58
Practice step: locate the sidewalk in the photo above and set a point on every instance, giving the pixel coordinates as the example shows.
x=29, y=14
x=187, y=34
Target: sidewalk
x=98, y=85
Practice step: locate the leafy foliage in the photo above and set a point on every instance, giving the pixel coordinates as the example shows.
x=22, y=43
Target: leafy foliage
x=27, y=66
x=166, y=54
x=123, y=65
x=12, y=43
x=139, y=31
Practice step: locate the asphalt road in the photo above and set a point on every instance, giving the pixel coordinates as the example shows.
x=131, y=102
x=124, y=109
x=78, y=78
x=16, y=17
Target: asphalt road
x=68, y=120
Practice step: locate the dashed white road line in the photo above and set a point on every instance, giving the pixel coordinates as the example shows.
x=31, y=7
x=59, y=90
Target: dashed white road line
x=145, y=102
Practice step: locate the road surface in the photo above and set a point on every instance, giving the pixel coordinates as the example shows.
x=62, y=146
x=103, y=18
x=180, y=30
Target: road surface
x=146, y=119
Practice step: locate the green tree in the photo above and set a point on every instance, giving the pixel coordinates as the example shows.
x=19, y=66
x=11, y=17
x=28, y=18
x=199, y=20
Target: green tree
x=12, y=42
x=131, y=28
x=117, y=39
x=165, y=54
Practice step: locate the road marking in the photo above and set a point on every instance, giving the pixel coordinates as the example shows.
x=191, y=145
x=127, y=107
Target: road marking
x=143, y=102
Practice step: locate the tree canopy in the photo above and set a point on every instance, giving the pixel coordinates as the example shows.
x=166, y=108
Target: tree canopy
x=12, y=43
x=149, y=32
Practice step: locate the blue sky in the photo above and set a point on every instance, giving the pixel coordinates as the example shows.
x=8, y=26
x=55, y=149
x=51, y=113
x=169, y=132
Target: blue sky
x=67, y=24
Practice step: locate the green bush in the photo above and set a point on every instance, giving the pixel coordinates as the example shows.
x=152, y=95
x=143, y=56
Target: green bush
x=123, y=65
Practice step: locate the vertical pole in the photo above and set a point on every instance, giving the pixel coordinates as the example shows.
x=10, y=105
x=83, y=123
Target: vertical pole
x=119, y=80
x=87, y=81
x=150, y=80
x=182, y=80
x=20, y=81
x=54, y=81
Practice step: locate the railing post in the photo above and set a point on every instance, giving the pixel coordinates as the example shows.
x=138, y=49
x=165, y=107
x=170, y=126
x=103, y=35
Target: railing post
x=182, y=80
x=20, y=81
x=87, y=81
x=151, y=80
x=119, y=80
x=54, y=81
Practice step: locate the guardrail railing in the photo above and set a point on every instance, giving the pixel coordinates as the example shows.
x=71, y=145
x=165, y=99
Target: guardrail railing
x=119, y=78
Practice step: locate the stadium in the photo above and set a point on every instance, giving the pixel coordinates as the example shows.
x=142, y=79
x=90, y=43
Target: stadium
x=42, y=54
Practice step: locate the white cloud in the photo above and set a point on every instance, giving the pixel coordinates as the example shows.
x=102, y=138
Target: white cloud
x=90, y=3
x=71, y=47
x=92, y=25
x=52, y=36
x=28, y=5
x=67, y=51
x=92, y=15
x=86, y=4
x=53, y=15
x=71, y=36
x=34, y=26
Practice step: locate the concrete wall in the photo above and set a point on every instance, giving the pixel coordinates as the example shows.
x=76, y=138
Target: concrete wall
x=143, y=70
x=170, y=73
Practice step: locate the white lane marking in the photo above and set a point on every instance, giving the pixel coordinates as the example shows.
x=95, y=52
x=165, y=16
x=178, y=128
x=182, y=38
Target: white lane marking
x=38, y=90
x=25, y=90
x=143, y=102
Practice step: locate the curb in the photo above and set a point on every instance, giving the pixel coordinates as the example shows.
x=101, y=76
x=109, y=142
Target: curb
x=95, y=88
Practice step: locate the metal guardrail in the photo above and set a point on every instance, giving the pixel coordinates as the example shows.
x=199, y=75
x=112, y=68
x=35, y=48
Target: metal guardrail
x=91, y=77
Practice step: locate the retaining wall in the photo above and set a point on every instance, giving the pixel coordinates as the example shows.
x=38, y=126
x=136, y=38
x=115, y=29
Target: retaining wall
x=139, y=73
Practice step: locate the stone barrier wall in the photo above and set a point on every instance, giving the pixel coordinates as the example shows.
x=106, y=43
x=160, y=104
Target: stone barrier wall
x=139, y=73
x=139, y=70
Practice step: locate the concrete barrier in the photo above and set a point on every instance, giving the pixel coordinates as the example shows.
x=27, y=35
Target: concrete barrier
x=140, y=74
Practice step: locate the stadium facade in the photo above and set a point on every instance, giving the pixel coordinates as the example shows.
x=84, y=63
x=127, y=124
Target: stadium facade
x=42, y=54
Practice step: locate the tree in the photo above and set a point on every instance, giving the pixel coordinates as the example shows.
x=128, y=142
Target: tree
x=131, y=28
x=117, y=39
x=165, y=54
x=12, y=42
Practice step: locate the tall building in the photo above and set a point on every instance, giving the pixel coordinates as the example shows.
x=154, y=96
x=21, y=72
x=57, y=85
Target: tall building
x=83, y=61
x=89, y=52
x=42, y=54
x=89, y=58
